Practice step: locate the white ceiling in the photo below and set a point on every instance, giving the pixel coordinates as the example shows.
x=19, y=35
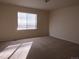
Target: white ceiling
x=40, y=4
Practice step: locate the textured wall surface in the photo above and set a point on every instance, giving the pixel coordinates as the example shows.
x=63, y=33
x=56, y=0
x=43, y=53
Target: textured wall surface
x=64, y=24
x=8, y=23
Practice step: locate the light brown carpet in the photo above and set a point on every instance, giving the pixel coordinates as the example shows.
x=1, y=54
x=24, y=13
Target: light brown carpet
x=39, y=48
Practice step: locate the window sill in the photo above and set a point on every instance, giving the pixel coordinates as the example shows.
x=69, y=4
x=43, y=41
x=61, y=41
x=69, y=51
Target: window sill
x=26, y=29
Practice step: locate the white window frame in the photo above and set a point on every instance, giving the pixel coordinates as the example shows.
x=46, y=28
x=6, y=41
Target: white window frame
x=29, y=27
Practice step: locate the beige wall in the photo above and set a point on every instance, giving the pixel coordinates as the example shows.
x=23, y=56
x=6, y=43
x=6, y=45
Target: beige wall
x=8, y=23
x=64, y=24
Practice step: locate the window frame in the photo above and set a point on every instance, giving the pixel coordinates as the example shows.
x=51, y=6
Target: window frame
x=26, y=20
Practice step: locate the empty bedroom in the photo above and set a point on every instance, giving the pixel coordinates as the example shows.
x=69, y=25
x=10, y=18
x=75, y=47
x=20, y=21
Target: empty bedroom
x=39, y=29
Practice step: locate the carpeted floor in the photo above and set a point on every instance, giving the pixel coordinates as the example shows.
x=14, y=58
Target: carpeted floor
x=39, y=48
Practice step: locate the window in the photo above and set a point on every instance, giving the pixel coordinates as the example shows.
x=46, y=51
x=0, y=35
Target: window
x=26, y=21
